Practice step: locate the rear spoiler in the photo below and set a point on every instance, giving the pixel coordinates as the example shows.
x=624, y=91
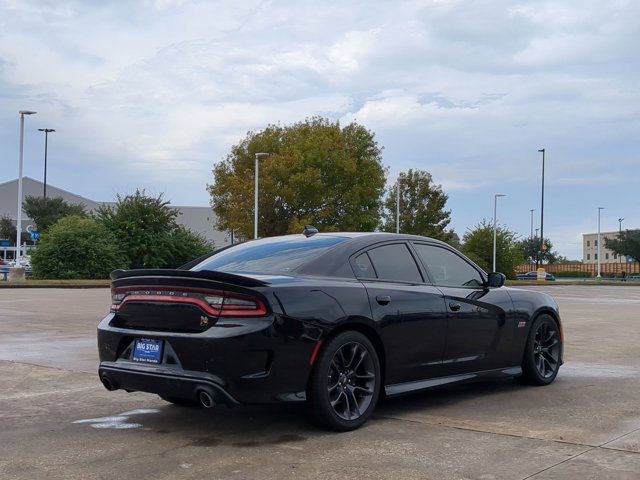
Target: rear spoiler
x=223, y=277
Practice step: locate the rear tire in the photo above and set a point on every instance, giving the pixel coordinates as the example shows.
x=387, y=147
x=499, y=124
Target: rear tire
x=542, y=353
x=345, y=383
x=181, y=402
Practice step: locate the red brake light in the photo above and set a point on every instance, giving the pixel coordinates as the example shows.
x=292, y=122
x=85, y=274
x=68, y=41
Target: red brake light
x=219, y=303
x=232, y=305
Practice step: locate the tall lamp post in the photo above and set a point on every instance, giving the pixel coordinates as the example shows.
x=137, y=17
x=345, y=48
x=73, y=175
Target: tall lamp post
x=531, y=234
x=398, y=205
x=495, y=225
x=46, y=131
x=542, y=150
x=599, y=242
x=620, y=233
x=255, y=200
x=20, y=163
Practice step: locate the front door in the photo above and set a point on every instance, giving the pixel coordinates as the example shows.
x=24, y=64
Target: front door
x=478, y=335
x=410, y=315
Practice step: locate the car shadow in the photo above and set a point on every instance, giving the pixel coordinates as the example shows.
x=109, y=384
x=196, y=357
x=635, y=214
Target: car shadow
x=287, y=422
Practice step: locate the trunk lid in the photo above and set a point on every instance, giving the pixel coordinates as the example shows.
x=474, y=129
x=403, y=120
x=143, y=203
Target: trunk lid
x=182, y=300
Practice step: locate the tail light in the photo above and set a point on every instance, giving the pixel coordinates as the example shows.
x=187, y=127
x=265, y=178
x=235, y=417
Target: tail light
x=219, y=303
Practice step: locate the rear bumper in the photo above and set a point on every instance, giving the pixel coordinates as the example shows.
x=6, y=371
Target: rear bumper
x=244, y=361
x=166, y=384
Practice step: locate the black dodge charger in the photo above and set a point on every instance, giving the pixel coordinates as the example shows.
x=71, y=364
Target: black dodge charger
x=336, y=319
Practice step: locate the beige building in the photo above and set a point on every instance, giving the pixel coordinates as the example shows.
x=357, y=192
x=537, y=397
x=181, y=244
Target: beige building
x=197, y=219
x=590, y=248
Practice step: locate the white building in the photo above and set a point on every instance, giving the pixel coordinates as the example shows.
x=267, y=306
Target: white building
x=590, y=249
x=197, y=219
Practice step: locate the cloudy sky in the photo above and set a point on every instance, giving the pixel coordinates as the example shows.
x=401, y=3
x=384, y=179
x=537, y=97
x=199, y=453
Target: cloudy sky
x=152, y=93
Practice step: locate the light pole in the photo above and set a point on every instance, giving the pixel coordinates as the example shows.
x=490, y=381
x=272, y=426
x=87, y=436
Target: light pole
x=620, y=233
x=495, y=225
x=255, y=200
x=541, y=214
x=46, y=131
x=531, y=242
x=598, y=254
x=20, y=162
x=531, y=234
x=398, y=205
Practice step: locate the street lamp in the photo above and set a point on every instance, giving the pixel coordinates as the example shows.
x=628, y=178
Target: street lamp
x=46, y=131
x=255, y=200
x=20, y=162
x=531, y=234
x=620, y=233
x=531, y=237
x=398, y=205
x=598, y=254
x=495, y=225
x=541, y=213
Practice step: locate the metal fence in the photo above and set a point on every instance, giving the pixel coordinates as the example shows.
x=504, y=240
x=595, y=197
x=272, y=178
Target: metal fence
x=630, y=268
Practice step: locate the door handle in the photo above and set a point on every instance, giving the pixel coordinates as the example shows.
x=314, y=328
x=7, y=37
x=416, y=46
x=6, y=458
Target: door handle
x=383, y=299
x=454, y=306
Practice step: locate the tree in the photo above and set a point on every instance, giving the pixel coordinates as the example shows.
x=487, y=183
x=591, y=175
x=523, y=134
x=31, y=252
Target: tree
x=530, y=248
x=422, y=207
x=76, y=247
x=46, y=211
x=318, y=172
x=627, y=243
x=147, y=233
x=8, y=231
x=478, y=246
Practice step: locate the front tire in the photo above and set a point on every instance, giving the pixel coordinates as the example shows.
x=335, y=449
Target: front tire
x=345, y=383
x=543, y=352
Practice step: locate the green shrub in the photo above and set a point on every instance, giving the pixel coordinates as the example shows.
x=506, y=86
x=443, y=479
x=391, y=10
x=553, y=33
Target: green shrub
x=148, y=234
x=76, y=247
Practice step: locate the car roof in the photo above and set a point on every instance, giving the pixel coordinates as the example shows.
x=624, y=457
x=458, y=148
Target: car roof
x=381, y=236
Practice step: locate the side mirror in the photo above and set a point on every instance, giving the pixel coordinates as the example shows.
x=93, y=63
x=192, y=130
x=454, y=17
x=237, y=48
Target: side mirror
x=496, y=279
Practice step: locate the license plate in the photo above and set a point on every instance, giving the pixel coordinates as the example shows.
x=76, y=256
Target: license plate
x=148, y=351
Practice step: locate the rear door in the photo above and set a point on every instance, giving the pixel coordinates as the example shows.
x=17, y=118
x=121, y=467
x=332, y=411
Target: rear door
x=410, y=314
x=478, y=335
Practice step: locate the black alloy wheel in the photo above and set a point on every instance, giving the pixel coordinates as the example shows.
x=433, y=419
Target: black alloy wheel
x=543, y=352
x=345, y=382
x=351, y=381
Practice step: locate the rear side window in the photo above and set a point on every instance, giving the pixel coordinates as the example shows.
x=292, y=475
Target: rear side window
x=364, y=268
x=447, y=268
x=395, y=263
x=272, y=256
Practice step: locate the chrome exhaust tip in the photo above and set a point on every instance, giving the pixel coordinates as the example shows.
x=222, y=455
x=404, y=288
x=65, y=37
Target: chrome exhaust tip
x=205, y=399
x=108, y=384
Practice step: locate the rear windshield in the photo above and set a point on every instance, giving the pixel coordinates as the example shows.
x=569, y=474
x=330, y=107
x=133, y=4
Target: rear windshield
x=278, y=255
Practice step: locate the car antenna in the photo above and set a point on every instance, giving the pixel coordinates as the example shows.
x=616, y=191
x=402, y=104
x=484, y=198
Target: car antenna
x=309, y=231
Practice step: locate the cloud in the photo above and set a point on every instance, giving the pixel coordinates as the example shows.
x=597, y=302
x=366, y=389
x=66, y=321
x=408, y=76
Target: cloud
x=152, y=93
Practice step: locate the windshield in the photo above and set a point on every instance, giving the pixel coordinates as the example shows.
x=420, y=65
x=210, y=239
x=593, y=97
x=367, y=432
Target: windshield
x=278, y=255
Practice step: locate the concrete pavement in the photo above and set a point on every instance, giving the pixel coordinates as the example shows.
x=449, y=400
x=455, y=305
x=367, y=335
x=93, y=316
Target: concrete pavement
x=57, y=421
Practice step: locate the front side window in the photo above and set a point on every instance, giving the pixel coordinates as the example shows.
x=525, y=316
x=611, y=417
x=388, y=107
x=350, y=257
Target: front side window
x=394, y=263
x=447, y=268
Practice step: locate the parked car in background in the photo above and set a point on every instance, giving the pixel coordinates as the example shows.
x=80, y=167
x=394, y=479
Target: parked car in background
x=338, y=320
x=24, y=262
x=534, y=276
